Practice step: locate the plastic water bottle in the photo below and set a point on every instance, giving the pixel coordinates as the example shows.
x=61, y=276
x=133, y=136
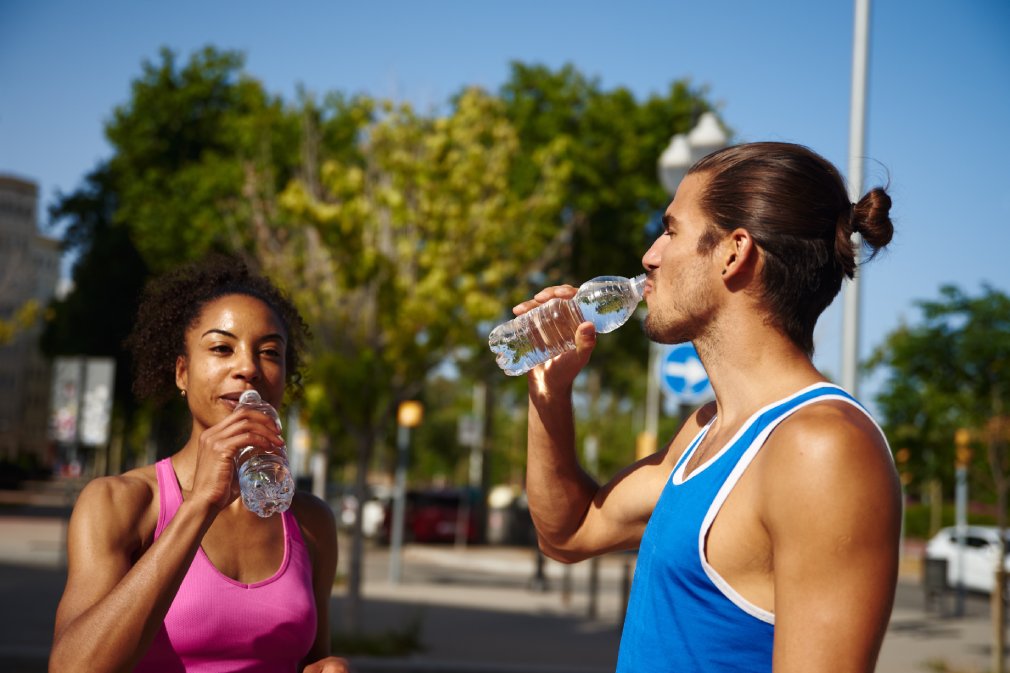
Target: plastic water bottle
x=549, y=330
x=263, y=476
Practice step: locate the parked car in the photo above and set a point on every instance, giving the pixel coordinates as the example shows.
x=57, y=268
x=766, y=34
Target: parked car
x=433, y=516
x=345, y=506
x=981, y=556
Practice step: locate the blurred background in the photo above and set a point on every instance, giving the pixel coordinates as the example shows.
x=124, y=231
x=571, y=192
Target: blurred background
x=410, y=171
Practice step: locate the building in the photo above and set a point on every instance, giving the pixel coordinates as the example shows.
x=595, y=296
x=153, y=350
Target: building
x=29, y=270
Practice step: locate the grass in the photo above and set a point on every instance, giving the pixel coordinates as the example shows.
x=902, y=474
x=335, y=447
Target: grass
x=397, y=642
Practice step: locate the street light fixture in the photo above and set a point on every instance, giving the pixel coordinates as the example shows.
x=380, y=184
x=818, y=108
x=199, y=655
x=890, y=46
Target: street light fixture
x=408, y=415
x=683, y=151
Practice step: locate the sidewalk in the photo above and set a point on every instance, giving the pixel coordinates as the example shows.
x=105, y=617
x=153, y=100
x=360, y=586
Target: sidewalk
x=479, y=614
x=477, y=610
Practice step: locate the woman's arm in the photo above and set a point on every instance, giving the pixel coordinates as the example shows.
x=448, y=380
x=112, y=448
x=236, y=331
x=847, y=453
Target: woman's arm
x=118, y=594
x=319, y=528
x=114, y=603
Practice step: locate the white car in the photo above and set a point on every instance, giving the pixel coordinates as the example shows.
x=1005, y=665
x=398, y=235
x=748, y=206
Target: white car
x=980, y=556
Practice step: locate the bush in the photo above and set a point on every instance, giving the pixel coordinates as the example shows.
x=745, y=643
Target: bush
x=392, y=643
x=917, y=518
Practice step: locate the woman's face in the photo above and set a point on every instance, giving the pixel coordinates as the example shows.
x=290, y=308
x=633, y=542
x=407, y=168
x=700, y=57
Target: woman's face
x=236, y=344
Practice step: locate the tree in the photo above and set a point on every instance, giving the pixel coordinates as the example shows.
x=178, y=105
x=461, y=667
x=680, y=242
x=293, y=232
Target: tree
x=182, y=144
x=398, y=251
x=610, y=207
x=950, y=373
x=108, y=276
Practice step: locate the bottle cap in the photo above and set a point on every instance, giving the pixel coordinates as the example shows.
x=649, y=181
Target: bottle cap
x=250, y=397
x=638, y=286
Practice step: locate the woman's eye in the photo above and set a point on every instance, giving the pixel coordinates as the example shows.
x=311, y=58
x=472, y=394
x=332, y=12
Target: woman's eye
x=220, y=348
x=271, y=352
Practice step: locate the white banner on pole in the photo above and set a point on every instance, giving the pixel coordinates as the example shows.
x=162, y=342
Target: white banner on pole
x=96, y=410
x=82, y=399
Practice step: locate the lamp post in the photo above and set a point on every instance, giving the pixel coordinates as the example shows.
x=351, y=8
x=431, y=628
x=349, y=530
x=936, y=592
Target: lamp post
x=857, y=144
x=408, y=415
x=962, y=458
x=684, y=150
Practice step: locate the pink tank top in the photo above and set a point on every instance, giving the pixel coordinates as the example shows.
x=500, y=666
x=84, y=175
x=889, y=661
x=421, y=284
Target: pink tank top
x=218, y=625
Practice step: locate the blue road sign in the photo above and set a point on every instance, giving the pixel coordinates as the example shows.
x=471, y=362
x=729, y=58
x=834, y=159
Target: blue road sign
x=682, y=375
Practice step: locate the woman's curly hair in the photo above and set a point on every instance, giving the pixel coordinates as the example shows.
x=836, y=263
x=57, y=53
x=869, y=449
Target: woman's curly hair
x=172, y=303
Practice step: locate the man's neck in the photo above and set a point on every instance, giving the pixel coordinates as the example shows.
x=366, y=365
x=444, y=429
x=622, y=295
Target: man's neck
x=751, y=367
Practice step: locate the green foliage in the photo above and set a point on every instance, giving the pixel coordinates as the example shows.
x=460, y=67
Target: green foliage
x=950, y=371
x=108, y=276
x=183, y=146
x=396, y=251
x=612, y=142
x=917, y=520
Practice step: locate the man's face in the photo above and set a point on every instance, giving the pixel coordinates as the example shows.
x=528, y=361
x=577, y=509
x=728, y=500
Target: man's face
x=681, y=289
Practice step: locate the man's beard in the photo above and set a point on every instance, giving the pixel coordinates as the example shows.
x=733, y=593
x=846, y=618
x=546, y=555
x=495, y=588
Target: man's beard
x=678, y=325
x=671, y=333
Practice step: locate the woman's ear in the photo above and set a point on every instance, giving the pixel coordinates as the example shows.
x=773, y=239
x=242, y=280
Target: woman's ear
x=181, y=374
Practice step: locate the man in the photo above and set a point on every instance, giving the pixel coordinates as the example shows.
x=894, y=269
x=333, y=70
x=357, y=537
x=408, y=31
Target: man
x=768, y=527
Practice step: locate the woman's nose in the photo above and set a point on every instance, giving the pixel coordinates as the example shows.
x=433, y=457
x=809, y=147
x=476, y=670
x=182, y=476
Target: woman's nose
x=246, y=366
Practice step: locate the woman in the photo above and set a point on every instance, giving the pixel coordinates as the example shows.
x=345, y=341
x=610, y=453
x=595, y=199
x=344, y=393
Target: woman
x=167, y=569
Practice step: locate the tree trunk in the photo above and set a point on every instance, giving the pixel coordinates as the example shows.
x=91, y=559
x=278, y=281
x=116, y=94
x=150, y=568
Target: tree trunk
x=352, y=606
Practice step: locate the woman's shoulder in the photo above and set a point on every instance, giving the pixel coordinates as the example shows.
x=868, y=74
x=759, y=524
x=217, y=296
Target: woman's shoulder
x=135, y=487
x=315, y=519
x=125, y=502
x=312, y=511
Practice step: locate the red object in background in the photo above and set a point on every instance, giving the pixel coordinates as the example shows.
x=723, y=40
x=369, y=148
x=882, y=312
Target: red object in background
x=433, y=516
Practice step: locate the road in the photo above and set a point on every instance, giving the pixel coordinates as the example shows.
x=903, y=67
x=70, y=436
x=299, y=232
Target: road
x=478, y=607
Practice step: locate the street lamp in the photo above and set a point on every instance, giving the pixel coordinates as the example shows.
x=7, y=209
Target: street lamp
x=683, y=151
x=408, y=415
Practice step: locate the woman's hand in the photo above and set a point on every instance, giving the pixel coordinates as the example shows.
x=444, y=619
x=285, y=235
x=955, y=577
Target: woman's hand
x=559, y=373
x=214, y=478
x=328, y=665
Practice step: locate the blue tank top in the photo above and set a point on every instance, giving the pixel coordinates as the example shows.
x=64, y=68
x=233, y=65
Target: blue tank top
x=682, y=616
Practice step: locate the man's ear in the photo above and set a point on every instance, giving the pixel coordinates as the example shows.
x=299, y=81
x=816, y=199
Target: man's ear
x=737, y=252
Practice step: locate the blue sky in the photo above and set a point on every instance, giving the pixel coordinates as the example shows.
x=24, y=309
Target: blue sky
x=937, y=118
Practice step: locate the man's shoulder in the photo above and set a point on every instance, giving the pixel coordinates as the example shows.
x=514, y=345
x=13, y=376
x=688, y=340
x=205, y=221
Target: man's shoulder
x=832, y=442
x=831, y=422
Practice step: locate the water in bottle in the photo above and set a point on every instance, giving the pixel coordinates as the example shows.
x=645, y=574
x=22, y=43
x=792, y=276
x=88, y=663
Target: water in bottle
x=263, y=476
x=549, y=330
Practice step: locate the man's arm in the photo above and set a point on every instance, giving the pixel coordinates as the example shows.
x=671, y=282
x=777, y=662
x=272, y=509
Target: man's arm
x=832, y=506
x=576, y=518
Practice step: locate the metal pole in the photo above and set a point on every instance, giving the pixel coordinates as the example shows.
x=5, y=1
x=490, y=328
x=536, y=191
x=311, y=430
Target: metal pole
x=399, y=505
x=857, y=148
x=652, y=393
x=961, y=524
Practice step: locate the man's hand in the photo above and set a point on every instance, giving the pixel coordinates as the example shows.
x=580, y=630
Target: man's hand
x=328, y=665
x=559, y=373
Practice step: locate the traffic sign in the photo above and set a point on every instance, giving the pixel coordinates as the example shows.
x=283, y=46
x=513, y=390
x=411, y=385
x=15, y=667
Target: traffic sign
x=682, y=375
